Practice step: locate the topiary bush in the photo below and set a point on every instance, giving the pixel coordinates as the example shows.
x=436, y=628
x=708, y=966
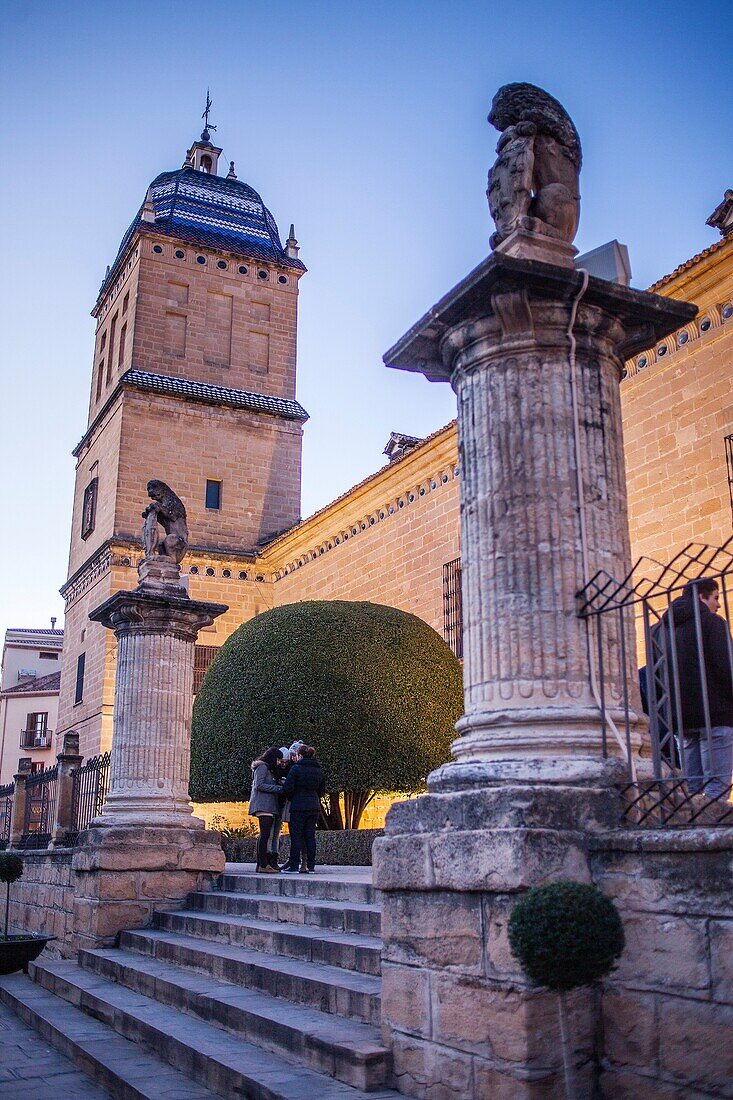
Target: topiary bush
x=375, y=689
x=565, y=934
x=11, y=868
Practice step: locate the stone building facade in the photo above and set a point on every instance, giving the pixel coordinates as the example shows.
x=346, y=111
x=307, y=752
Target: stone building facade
x=194, y=382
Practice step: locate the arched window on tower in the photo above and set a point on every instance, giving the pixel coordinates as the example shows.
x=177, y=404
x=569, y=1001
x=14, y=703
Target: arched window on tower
x=206, y=164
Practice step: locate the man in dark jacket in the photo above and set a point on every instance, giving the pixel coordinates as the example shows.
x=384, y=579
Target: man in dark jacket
x=708, y=737
x=304, y=786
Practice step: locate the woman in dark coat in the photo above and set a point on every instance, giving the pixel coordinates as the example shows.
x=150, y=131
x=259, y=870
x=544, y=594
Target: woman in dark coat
x=304, y=786
x=264, y=803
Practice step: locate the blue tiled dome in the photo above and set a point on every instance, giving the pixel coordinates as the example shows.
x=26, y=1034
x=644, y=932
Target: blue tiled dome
x=213, y=212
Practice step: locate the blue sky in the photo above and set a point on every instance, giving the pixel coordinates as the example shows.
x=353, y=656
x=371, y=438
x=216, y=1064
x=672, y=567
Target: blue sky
x=365, y=124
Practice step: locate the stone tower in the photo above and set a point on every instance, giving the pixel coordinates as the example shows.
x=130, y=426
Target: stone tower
x=193, y=381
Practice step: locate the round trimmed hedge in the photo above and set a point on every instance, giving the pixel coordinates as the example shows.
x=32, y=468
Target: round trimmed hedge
x=565, y=934
x=376, y=690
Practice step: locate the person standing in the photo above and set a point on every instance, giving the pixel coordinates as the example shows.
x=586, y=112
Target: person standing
x=707, y=730
x=305, y=785
x=283, y=815
x=264, y=803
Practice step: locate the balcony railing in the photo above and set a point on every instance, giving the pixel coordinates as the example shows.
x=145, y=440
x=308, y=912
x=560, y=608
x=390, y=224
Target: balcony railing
x=35, y=739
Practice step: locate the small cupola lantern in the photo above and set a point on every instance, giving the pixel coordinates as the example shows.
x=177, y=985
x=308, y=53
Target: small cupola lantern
x=203, y=156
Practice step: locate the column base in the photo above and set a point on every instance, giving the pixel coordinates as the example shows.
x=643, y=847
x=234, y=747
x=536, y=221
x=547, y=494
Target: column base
x=553, y=744
x=456, y=1006
x=125, y=873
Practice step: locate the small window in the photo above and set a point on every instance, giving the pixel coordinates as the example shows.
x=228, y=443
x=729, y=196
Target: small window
x=262, y=274
x=157, y=248
x=179, y=254
x=89, y=508
x=126, y=302
x=281, y=279
x=221, y=264
x=242, y=270
x=121, y=352
x=200, y=259
x=213, y=495
x=48, y=655
x=79, y=690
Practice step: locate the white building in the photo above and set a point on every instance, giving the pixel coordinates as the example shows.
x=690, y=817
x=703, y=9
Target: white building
x=29, y=697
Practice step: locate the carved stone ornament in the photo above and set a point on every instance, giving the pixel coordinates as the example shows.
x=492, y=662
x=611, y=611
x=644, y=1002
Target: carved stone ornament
x=164, y=550
x=533, y=186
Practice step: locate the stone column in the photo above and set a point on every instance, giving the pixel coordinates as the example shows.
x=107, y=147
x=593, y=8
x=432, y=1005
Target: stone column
x=530, y=402
x=146, y=851
x=535, y=354
x=17, y=815
x=66, y=761
x=153, y=698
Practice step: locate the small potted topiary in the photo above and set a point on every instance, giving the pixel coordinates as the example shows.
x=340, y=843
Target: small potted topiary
x=18, y=950
x=565, y=935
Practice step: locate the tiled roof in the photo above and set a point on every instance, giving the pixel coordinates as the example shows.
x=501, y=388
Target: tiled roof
x=212, y=212
x=214, y=395
x=30, y=630
x=690, y=263
x=41, y=685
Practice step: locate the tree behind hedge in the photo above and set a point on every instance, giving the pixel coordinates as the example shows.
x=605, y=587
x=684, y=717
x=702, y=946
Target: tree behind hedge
x=375, y=689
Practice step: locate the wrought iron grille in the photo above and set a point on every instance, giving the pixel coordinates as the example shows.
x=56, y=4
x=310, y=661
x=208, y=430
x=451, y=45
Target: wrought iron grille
x=691, y=782
x=40, y=804
x=6, y=809
x=453, y=606
x=90, y=782
x=203, y=655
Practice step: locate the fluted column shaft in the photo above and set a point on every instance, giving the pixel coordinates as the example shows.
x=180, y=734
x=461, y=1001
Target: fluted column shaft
x=526, y=662
x=153, y=697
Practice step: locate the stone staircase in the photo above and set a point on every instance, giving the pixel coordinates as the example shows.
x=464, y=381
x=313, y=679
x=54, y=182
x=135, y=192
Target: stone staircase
x=268, y=989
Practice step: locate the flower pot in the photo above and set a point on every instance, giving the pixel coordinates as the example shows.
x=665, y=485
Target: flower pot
x=17, y=951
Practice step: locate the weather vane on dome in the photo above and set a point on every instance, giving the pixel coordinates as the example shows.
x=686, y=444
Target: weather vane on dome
x=205, y=136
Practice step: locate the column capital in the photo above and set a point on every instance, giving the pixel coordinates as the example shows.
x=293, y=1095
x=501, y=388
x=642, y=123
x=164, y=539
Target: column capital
x=506, y=297
x=146, y=612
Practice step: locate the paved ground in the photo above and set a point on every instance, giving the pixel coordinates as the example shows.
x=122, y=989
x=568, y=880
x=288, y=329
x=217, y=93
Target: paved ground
x=333, y=873
x=31, y=1069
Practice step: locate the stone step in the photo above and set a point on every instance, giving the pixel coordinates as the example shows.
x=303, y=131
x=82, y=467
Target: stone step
x=224, y=1063
x=327, y=988
x=348, y=1050
x=327, y=884
x=123, y=1069
x=343, y=949
x=340, y=916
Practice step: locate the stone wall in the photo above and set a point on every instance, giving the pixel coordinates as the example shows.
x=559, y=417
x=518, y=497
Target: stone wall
x=43, y=899
x=668, y=1008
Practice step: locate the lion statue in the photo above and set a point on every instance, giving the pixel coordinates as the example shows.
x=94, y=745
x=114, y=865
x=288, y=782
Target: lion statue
x=168, y=511
x=534, y=183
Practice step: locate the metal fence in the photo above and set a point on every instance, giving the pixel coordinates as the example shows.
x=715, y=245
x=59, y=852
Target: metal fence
x=6, y=810
x=40, y=805
x=682, y=681
x=89, y=790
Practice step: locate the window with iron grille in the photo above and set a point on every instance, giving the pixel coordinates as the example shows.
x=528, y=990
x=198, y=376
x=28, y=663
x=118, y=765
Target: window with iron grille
x=203, y=656
x=452, y=606
x=89, y=508
x=79, y=688
x=35, y=734
x=729, y=461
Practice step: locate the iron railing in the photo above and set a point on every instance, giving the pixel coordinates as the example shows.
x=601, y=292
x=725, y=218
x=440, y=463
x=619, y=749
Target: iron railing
x=40, y=805
x=6, y=809
x=89, y=790
x=35, y=739
x=453, y=606
x=203, y=655
x=729, y=465
x=690, y=781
